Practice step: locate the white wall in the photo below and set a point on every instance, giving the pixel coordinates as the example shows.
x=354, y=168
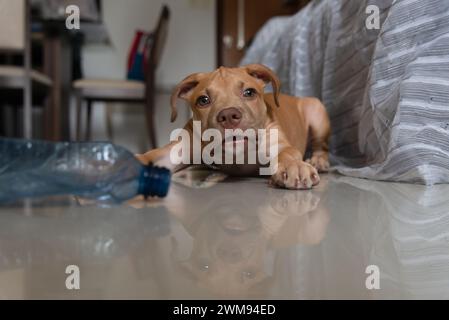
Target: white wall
x=190, y=44
x=190, y=48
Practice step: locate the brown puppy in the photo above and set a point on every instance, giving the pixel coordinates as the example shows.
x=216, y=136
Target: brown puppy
x=233, y=98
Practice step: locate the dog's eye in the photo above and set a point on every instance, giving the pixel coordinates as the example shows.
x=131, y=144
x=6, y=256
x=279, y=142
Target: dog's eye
x=203, y=101
x=250, y=92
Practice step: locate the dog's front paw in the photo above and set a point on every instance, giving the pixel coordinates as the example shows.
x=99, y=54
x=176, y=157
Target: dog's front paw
x=319, y=161
x=295, y=174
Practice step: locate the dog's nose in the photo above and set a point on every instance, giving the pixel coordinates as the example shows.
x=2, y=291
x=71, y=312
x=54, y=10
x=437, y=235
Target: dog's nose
x=229, y=118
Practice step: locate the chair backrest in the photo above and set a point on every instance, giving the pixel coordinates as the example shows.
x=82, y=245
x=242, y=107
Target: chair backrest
x=12, y=25
x=160, y=37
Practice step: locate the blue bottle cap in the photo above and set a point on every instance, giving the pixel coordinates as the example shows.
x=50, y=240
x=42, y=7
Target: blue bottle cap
x=154, y=181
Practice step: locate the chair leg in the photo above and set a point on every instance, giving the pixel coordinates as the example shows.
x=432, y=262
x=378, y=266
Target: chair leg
x=79, y=104
x=149, y=115
x=16, y=122
x=27, y=111
x=89, y=120
x=109, y=123
x=2, y=121
x=149, y=110
x=27, y=98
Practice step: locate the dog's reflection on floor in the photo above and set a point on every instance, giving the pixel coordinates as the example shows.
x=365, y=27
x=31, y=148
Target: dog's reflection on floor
x=236, y=236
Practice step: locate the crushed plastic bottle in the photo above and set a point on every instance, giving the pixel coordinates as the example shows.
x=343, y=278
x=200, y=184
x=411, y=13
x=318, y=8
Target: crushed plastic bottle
x=102, y=171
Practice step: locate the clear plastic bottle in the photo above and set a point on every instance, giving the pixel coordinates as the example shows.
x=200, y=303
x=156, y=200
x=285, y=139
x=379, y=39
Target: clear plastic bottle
x=103, y=171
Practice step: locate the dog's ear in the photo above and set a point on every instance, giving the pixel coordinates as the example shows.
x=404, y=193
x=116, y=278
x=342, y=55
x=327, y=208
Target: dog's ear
x=183, y=90
x=267, y=75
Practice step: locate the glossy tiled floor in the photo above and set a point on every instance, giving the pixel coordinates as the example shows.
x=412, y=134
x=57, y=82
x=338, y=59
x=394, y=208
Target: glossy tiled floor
x=234, y=238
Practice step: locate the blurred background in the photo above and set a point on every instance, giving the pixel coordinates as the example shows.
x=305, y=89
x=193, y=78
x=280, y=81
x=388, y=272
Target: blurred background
x=111, y=79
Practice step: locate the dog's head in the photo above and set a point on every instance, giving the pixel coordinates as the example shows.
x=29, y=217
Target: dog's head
x=228, y=98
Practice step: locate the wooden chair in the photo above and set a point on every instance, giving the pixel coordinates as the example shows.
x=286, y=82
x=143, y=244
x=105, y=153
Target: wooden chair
x=130, y=91
x=19, y=84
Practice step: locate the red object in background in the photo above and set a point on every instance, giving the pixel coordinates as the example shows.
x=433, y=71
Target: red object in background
x=137, y=55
